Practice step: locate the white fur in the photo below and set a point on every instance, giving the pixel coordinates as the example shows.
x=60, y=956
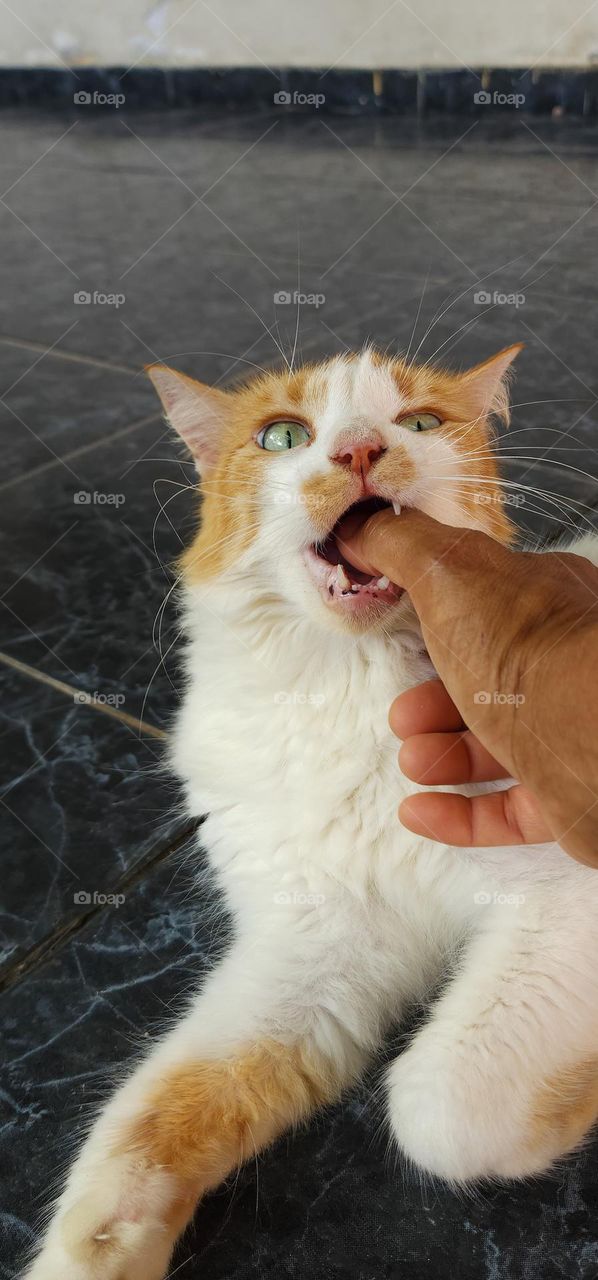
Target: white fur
x=342, y=916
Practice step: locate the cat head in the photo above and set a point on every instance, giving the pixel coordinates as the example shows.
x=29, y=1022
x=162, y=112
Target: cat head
x=283, y=458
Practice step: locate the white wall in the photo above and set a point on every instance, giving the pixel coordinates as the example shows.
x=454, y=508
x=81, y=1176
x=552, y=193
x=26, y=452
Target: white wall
x=349, y=33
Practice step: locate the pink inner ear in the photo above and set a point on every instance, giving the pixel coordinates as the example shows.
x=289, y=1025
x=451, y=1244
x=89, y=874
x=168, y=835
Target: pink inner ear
x=486, y=385
x=197, y=412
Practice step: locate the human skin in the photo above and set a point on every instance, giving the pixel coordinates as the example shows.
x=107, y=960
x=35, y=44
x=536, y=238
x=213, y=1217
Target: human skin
x=521, y=628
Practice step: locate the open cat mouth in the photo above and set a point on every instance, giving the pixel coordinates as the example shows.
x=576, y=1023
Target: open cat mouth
x=340, y=581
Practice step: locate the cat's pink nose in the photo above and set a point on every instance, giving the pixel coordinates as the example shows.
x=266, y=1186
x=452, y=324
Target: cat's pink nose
x=360, y=457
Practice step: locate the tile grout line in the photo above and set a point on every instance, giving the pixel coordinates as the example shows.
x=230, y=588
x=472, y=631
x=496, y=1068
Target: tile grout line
x=75, y=356
x=54, y=941
x=81, y=698
x=81, y=451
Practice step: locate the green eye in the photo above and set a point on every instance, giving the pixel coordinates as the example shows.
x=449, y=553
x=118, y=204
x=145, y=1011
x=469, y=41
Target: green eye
x=420, y=422
x=282, y=435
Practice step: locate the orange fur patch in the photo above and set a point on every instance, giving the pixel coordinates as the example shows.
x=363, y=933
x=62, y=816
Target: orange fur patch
x=395, y=469
x=566, y=1108
x=231, y=490
x=447, y=395
x=482, y=497
x=205, y=1118
x=327, y=496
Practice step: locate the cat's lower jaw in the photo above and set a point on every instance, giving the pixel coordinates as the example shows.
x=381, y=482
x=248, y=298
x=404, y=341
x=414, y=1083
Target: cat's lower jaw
x=340, y=589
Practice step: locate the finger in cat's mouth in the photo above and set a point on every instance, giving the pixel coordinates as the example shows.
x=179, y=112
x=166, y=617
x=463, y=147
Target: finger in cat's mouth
x=338, y=577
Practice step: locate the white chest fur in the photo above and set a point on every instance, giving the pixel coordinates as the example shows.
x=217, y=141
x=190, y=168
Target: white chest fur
x=283, y=740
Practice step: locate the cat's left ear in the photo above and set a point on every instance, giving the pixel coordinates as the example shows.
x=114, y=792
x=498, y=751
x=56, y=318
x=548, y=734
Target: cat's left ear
x=197, y=412
x=486, y=386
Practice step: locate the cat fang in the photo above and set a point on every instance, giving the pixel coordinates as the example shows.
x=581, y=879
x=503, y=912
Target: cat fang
x=340, y=582
x=345, y=586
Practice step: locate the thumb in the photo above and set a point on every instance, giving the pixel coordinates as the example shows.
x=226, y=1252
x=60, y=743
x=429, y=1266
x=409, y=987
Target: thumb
x=407, y=548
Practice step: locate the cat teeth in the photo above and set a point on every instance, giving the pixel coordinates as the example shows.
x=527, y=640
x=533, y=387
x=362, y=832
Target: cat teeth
x=383, y=583
x=396, y=506
x=342, y=581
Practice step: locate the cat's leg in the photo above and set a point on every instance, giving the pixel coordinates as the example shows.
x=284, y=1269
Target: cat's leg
x=503, y=1078
x=251, y=1058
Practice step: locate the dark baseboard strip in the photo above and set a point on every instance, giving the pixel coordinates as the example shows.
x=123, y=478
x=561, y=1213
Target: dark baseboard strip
x=557, y=92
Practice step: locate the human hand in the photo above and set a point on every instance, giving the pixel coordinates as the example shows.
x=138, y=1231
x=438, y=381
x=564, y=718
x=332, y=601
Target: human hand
x=514, y=638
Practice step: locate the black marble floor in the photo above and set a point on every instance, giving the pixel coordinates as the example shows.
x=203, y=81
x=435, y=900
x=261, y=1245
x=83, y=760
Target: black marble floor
x=199, y=221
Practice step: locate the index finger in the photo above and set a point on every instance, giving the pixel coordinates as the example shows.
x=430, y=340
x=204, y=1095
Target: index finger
x=404, y=547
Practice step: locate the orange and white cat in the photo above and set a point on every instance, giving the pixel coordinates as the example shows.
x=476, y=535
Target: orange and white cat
x=342, y=917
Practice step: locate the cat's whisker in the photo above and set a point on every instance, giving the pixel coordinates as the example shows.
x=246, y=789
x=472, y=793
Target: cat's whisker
x=475, y=284
x=563, y=517
x=219, y=543
x=565, y=506
x=297, y=303
x=463, y=328
x=522, y=404
x=225, y=355
x=479, y=456
x=466, y=428
x=505, y=482
x=160, y=663
x=257, y=316
x=162, y=511
x=174, y=462
x=185, y=488
x=415, y=322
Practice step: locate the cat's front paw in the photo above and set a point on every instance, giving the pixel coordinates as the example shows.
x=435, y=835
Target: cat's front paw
x=120, y=1252
x=114, y=1231
x=123, y=1257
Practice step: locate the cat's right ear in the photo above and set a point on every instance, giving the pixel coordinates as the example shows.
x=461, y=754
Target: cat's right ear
x=197, y=412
